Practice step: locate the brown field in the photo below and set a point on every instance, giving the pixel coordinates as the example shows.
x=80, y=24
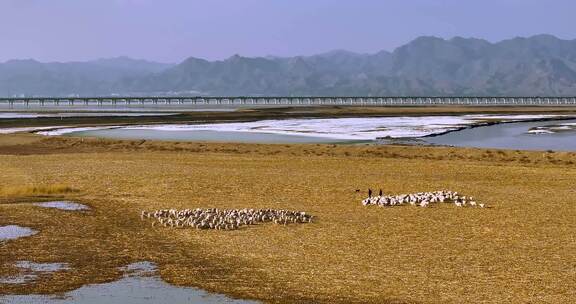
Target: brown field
x=520, y=250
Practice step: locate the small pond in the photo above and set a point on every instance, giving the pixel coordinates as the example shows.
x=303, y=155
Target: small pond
x=63, y=205
x=12, y=232
x=140, y=285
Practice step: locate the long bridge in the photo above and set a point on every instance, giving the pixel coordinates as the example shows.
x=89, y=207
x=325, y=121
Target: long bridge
x=289, y=101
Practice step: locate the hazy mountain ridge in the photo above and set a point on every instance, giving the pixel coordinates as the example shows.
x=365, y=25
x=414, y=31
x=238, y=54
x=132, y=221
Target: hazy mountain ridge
x=97, y=77
x=538, y=65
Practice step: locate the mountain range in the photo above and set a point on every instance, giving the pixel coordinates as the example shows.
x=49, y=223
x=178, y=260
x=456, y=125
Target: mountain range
x=541, y=65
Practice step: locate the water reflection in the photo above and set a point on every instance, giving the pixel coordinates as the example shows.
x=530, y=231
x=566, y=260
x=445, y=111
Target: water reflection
x=140, y=284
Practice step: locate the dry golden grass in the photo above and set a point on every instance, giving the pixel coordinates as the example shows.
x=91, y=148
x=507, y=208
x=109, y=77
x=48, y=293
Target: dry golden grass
x=18, y=139
x=67, y=145
x=520, y=250
x=20, y=191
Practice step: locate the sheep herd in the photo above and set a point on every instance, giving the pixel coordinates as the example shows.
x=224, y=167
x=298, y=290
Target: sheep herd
x=422, y=199
x=232, y=219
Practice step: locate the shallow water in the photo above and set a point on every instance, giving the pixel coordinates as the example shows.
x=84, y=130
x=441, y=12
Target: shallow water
x=34, y=270
x=314, y=130
x=513, y=134
x=554, y=128
x=201, y=135
x=510, y=136
x=140, y=284
x=12, y=232
x=325, y=130
x=20, y=279
x=63, y=205
x=42, y=267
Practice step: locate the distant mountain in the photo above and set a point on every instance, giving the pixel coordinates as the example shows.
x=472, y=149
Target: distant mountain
x=538, y=65
x=31, y=78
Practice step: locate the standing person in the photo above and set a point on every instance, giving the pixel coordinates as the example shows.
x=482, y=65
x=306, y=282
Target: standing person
x=369, y=192
x=380, y=193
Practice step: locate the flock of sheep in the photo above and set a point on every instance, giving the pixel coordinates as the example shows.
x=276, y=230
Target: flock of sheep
x=232, y=219
x=422, y=199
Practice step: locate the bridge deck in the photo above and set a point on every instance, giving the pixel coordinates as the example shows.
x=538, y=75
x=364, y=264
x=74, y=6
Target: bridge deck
x=242, y=100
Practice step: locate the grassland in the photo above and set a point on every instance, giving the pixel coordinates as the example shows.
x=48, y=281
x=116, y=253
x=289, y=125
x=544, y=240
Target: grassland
x=520, y=250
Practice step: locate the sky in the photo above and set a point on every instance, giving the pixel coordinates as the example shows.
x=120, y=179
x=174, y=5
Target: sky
x=172, y=30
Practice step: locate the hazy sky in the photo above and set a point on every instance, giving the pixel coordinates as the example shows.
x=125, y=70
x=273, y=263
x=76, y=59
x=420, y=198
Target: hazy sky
x=171, y=30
